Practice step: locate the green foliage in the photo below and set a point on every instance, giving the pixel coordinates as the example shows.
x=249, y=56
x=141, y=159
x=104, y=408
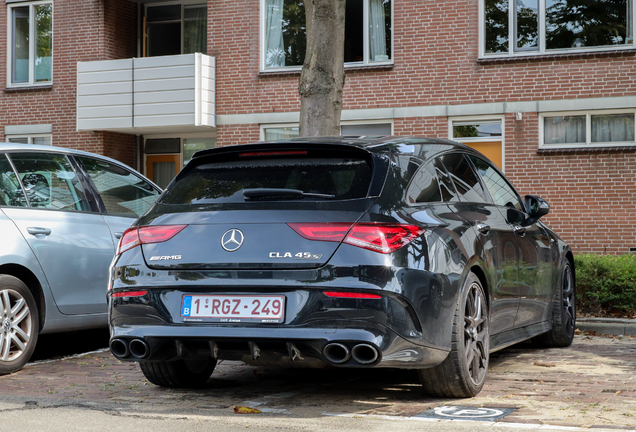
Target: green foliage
x=606, y=283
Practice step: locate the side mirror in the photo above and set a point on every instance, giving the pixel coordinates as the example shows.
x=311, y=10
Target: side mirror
x=536, y=207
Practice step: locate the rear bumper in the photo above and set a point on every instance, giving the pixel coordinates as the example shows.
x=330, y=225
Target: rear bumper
x=367, y=346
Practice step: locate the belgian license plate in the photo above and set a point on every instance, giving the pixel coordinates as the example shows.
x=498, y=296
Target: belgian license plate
x=239, y=308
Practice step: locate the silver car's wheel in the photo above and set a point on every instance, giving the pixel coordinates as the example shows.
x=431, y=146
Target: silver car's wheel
x=18, y=324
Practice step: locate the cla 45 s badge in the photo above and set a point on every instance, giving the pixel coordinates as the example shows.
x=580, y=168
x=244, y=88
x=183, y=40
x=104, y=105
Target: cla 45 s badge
x=298, y=256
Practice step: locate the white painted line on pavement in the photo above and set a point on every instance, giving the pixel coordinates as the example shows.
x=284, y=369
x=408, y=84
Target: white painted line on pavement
x=68, y=357
x=498, y=424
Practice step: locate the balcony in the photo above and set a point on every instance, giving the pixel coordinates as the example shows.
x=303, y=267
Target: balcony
x=149, y=95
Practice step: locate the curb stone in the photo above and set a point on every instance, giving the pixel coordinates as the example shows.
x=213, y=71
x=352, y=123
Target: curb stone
x=607, y=326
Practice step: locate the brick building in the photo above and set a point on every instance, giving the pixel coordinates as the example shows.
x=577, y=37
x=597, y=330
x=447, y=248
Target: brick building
x=545, y=88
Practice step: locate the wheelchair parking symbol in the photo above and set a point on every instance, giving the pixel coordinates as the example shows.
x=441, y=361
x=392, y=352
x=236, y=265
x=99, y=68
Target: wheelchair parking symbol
x=466, y=413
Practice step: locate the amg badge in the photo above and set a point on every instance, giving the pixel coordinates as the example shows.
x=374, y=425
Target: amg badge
x=298, y=256
x=165, y=258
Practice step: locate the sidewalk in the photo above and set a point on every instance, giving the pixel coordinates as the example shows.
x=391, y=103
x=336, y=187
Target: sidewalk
x=607, y=326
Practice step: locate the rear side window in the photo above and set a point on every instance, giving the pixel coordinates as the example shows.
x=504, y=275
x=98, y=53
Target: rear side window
x=424, y=186
x=338, y=178
x=122, y=192
x=10, y=191
x=464, y=178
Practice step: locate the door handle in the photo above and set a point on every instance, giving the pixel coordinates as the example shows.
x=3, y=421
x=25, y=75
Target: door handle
x=483, y=228
x=520, y=230
x=118, y=235
x=38, y=230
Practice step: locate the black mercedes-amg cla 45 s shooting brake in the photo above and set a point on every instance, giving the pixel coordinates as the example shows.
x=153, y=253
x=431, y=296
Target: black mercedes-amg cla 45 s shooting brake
x=347, y=251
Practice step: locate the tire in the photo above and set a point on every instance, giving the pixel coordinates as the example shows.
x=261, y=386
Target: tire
x=19, y=324
x=180, y=373
x=463, y=372
x=563, y=313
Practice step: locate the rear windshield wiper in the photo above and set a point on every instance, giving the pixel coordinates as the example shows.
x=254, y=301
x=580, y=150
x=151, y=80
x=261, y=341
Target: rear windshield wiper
x=275, y=193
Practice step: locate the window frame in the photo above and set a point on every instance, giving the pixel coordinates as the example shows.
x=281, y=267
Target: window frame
x=31, y=82
x=183, y=4
x=29, y=137
x=460, y=121
x=541, y=49
x=588, y=129
x=365, y=35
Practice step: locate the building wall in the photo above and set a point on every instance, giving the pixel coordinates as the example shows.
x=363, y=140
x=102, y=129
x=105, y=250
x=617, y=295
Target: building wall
x=82, y=31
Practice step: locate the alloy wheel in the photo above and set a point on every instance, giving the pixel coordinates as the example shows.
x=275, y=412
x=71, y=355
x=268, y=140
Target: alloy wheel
x=476, y=337
x=568, y=299
x=16, y=330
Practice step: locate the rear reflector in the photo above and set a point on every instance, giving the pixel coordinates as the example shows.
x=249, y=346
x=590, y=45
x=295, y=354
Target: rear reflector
x=146, y=235
x=129, y=294
x=354, y=295
x=383, y=238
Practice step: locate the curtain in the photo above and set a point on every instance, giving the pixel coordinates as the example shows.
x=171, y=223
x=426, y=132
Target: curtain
x=564, y=130
x=195, y=30
x=163, y=173
x=613, y=128
x=377, y=32
x=274, y=45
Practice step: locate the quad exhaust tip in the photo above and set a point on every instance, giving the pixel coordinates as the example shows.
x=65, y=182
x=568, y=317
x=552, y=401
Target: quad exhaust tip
x=139, y=348
x=364, y=354
x=336, y=353
x=119, y=348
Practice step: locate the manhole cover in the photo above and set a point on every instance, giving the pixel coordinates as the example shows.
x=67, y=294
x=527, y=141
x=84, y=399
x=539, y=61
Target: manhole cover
x=466, y=413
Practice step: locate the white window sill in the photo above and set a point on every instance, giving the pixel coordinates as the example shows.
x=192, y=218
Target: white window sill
x=558, y=53
x=18, y=87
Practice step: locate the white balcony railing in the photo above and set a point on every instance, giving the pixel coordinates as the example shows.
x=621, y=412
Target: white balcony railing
x=147, y=95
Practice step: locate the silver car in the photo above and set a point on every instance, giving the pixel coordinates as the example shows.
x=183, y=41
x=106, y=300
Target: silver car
x=62, y=212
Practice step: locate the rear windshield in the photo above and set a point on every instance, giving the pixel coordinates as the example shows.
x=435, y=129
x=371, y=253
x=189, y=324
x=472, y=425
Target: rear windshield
x=338, y=178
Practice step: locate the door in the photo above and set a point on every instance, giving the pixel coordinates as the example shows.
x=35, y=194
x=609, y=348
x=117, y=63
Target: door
x=484, y=135
x=496, y=236
x=530, y=241
x=71, y=242
x=161, y=169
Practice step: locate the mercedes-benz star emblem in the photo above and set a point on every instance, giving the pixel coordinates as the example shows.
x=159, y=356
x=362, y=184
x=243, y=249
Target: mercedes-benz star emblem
x=232, y=240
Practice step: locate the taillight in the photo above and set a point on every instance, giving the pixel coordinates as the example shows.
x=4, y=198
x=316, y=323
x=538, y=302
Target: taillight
x=146, y=235
x=378, y=237
x=129, y=294
x=354, y=295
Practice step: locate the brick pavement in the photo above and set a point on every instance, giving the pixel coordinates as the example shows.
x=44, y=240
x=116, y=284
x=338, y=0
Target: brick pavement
x=590, y=384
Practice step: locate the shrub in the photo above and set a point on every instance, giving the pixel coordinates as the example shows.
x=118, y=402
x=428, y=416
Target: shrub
x=606, y=284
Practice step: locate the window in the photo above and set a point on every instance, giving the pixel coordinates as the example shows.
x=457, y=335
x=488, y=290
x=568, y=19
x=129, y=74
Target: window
x=484, y=135
x=11, y=193
x=30, y=44
x=122, y=192
x=501, y=192
x=176, y=29
x=368, y=31
x=466, y=182
x=548, y=26
x=588, y=129
x=40, y=139
x=424, y=186
x=49, y=181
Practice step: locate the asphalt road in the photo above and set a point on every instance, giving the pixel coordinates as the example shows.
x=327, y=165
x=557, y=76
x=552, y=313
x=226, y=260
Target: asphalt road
x=589, y=386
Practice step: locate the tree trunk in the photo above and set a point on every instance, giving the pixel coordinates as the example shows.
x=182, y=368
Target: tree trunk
x=322, y=77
